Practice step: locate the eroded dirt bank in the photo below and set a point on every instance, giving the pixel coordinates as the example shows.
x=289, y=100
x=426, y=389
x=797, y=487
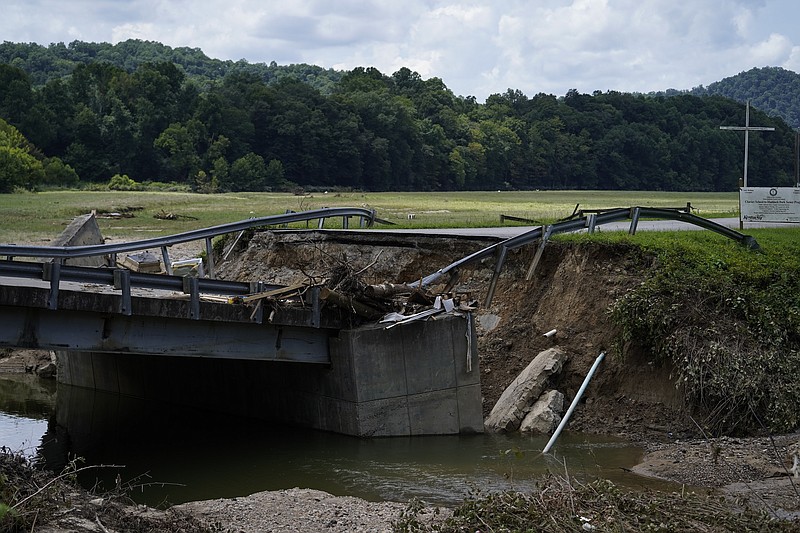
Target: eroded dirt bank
x=572, y=291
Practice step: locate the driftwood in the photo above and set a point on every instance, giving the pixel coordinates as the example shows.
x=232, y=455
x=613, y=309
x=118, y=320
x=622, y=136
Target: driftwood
x=347, y=302
x=388, y=290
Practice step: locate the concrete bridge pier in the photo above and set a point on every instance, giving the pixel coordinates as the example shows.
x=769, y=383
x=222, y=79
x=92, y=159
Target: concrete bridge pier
x=421, y=378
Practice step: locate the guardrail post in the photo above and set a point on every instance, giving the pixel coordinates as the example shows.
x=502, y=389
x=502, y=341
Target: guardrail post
x=498, y=266
x=209, y=258
x=122, y=281
x=52, y=272
x=539, y=252
x=165, y=257
x=257, y=315
x=345, y=222
x=591, y=221
x=191, y=285
x=634, y=221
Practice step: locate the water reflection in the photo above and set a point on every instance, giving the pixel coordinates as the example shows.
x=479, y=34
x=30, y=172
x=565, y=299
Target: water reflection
x=184, y=454
x=26, y=403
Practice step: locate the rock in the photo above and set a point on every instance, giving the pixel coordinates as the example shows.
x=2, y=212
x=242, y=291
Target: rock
x=545, y=415
x=488, y=321
x=513, y=404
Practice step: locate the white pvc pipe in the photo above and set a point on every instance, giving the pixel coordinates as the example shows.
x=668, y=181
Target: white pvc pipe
x=574, y=403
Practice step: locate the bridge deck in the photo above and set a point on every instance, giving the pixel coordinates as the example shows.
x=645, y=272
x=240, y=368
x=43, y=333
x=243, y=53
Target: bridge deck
x=90, y=317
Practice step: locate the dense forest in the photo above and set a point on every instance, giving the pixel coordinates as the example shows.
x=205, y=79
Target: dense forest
x=773, y=90
x=142, y=111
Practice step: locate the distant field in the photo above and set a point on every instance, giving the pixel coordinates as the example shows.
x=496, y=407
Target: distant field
x=38, y=217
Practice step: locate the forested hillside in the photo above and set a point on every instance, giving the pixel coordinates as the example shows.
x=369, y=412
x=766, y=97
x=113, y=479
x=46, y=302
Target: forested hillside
x=152, y=120
x=56, y=61
x=773, y=90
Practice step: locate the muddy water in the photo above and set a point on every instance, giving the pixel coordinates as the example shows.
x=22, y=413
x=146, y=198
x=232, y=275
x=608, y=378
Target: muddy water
x=176, y=454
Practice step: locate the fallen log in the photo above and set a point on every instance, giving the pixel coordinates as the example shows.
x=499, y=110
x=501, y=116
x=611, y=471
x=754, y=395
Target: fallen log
x=387, y=290
x=349, y=303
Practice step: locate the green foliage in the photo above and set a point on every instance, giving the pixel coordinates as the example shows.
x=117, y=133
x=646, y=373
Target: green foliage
x=205, y=184
x=56, y=61
x=247, y=173
x=728, y=321
x=773, y=90
x=122, y=183
x=149, y=111
x=59, y=174
x=18, y=167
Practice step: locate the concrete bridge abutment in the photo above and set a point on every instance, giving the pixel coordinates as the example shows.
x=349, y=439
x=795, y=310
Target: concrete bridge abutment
x=421, y=378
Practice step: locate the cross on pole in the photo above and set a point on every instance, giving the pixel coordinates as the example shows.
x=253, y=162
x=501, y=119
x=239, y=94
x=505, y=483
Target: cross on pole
x=747, y=129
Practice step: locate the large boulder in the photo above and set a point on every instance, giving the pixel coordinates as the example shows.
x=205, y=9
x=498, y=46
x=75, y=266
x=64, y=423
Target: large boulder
x=545, y=415
x=515, y=402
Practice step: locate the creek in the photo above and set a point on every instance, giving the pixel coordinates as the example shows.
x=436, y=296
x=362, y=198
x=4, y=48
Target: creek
x=171, y=454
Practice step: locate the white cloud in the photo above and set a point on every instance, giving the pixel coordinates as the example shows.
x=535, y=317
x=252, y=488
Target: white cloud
x=477, y=47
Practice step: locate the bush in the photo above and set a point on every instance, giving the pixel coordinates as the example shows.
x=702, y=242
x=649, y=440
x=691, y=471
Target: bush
x=123, y=183
x=728, y=321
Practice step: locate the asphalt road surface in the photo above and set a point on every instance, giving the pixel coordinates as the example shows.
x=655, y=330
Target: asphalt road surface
x=505, y=232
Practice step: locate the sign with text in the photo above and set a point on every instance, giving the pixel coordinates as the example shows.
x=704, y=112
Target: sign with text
x=769, y=204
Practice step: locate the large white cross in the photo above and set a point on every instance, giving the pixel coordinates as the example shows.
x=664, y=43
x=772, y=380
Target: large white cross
x=747, y=129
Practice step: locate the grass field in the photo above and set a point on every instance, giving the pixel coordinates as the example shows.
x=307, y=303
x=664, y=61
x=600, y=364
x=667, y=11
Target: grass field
x=38, y=217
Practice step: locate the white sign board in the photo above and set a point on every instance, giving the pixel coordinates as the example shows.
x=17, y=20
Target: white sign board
x=769, y=204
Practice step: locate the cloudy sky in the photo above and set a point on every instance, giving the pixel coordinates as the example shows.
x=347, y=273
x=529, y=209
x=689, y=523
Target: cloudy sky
x=476, y=47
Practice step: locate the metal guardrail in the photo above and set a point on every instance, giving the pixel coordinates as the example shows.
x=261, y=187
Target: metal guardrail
x=124, y=280
x=588, y=221
x=367, y=217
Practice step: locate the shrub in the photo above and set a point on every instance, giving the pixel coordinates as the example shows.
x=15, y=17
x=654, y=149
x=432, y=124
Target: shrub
x=728, y=320
x=122, y=183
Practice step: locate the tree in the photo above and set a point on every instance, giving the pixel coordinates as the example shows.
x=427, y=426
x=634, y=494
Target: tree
x=18, y=168
x=180, y=144
x=247, y=173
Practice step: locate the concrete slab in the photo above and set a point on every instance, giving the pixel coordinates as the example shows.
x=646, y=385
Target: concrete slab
x=470, y=411
x=378, y=364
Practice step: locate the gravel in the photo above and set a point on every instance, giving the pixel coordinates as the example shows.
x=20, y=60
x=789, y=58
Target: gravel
x=296, y=511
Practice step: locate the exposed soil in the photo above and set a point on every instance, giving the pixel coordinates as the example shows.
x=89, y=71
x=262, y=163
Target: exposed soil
x=571, y=291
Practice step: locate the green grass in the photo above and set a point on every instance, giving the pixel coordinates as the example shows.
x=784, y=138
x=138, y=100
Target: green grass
x=39, y=217
x=727, y=319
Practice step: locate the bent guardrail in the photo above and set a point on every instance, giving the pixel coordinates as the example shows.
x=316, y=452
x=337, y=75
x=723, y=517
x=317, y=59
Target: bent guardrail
x=61, y=253
x=124, y=280
x=588, y=221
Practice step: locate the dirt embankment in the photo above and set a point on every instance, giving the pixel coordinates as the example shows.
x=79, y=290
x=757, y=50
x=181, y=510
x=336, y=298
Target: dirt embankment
x=572, y=290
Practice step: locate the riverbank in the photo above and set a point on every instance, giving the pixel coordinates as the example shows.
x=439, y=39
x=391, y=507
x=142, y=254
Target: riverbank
x=54, y=505
x=574, y=287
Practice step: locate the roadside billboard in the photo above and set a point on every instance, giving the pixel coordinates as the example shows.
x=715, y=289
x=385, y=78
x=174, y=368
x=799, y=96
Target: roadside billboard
x=769, y=204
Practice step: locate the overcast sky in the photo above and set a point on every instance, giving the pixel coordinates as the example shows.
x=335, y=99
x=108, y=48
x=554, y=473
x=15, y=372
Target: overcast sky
x=476, y=47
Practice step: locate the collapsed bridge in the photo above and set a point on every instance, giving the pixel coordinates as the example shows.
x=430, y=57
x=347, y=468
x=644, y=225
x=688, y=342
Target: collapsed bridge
x=183, y=337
